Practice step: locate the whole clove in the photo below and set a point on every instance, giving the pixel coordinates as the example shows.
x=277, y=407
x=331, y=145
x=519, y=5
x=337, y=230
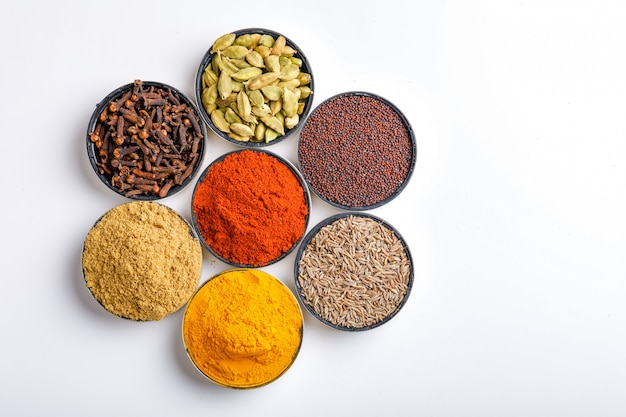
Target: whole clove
x=144, y=129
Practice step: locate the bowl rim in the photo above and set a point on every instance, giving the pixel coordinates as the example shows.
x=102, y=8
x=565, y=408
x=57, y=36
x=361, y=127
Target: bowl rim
x=192, y=233
x=207, y=58
x=332, y=219
x=279, y=158
x=272, y=278
x=91, y=148
x=413, y=147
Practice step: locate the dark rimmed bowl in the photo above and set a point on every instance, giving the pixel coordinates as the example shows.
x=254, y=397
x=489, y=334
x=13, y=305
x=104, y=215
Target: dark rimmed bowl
x=299, y=256
x=131, y=293
x=361, y=160
x=205, y=372
x=94, y=153
x=208, y=58
x=194, y=216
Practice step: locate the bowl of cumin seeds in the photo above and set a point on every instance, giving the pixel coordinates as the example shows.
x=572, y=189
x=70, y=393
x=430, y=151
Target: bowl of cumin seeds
x=353, y=271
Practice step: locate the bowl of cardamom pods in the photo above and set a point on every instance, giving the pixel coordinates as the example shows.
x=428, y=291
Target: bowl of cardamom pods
x=254, y=87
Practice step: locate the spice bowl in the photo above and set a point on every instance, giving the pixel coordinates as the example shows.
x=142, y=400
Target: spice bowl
x=357, y=151
x=242, y=328
x=353, y=271
x=146, y=140
x=250, y=208
x=141, y=261
x=254, y=87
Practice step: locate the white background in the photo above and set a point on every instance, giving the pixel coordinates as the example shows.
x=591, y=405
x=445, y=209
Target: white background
x=514, y=214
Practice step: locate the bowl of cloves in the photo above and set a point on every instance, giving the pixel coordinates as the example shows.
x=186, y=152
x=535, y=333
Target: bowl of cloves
x=254, y=87
x=146, y=140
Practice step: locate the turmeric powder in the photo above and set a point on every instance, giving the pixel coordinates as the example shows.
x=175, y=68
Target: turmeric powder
x=242, y=328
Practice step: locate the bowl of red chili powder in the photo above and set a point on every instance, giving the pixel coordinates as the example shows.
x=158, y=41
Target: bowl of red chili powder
x=250, y=208
x=145, y=140
x=230, y=93
x=357, y=151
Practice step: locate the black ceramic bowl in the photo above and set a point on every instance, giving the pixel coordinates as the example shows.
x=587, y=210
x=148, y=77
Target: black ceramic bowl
x=246, y=214
x=353, y=271
x=201, y=86
x=142, y=160
x=357, y=151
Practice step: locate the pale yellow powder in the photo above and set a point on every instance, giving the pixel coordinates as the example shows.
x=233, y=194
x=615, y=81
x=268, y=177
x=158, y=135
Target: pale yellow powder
x=141, y=261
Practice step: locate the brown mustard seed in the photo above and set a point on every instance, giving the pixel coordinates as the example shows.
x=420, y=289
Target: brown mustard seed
x=141, y=261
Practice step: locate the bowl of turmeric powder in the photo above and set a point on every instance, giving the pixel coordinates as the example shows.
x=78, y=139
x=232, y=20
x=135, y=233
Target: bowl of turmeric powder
x=250, y=208
x=242, y=328
x=254, y=87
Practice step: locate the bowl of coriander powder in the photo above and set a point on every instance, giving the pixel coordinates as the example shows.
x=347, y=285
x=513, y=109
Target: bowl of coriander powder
x=141, y=261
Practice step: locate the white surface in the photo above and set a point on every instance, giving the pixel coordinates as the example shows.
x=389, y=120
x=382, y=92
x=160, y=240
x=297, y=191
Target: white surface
x=514, y=216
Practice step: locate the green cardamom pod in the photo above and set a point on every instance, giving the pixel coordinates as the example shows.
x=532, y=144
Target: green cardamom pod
x=270, y=135
x=263, y=50
x=304, y=78
x=262, y=110
x=244, y=40
x=296, y=61
x=291, y=84
x=272, y=63
x=259, y=132
x=216, y=62
x=289, y=72
x=256, y=97
x=273, y=123
x=209, y=77
x=209, y=95
x=266, y=40
x=245, y=74
x=224, y=85
x=305, y=91
x=223, y=42
x=272, y=92
x=254, y=39
x=279, y=44
x=235, y=52
x=217, y=117
x=288, y=51
x=241, y=130
x=231, y=116
x=223, y=103
x=276, y=106
x=238, y=138
x=237, y=86
x=291, y=122
x=262, y=80
x=290, y=103
x=226, y=65
x=283, y=60
x=243, y=105
x=255, y=59
x=240, y=63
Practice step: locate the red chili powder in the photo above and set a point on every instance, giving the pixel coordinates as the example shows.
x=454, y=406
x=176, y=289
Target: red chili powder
x=250, y=208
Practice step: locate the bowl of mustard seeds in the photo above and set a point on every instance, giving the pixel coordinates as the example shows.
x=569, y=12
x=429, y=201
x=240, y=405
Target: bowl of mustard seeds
x=357, y=151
